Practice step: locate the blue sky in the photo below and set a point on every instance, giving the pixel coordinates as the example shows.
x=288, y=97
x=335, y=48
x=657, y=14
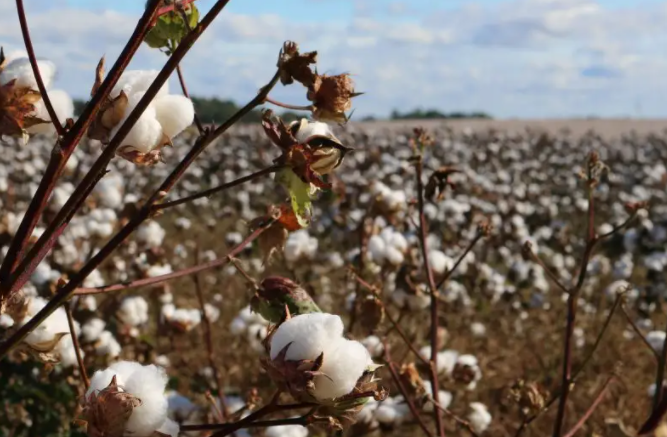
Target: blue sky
x=511, y=58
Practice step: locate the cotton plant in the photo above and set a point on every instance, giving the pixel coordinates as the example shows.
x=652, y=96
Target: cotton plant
x=23, y=108
x=128, y=398
x=389, y=246
x=133, y=313
x=479, y=417
x=181, y=319
x=310, y=357
x=166, y=116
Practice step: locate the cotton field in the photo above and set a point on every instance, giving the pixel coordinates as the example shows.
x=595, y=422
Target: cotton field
x=501, y=314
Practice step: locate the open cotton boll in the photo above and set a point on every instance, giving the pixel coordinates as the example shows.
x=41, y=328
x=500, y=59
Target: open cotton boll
x=55, y=324
x=146, y=383
x=107, y=345
x=656, y=339
x=151, y=234
x=146, y=132
x=133, y=311
x=212, y=312
x=21, y=70
x=174, y=113
x=342, y=368
x=444, y=398
x=309, y=335
x=440, y=263
x=67, y=353
x=6, y=321
x=92, y=329
x=137, y=81
x=63, y=106
x=286, y=431
x=479, y=417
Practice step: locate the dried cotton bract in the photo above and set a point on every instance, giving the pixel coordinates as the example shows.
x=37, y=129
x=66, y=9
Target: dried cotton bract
x=128, y=399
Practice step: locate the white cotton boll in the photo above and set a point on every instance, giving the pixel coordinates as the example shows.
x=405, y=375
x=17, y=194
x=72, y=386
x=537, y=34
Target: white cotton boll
x=146, y=132
x=377, y=248
x=394, y=256
x=447, y=361
x=398, y=241
x=137, y=81
x=146, y=383
x=444, y=398
x=151, y=234
x=440, y=263
x=6, y=321
x=343, y=367
x=308, y=129
x=94, y=279
x=656, y=339
x=212, y=312
x=162, y=361
x=286, y=431
x=478, y=329
x=174, y=113
x=374, y=345
x=169, y=427
x=310, y=334
x=44, y=274
x=62, y=105
x=183, y=223
x=21, y=70
x=158, y=270
x=479, y=417
x=107, y=345
x=185, y=318
x=386, y=414
x=67, y=353
x=55, y=324
x=133, y=311
x=238, y=326
x=92, y=329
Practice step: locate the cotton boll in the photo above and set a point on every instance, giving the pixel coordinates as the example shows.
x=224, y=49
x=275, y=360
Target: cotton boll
x=158, y=270
x=444, y=398
x=133, y=311
x=174, y=113
x=440, y=263
x=67, y=352
x=6, y=321
x=151, y=234
x=146, y=132
x=169, y=427
x=62, y=105
x=310, y=334
x=479, y=417
x=107, y=345
x=342, y=367
x=137, y=81
x=447, y=361
x=92, y=329
x=212, y=313
x=238, y=326
x=374, y=345
x=394, y=256
x=656, y=339
x=377, y=248
x=386, y=414
x=21, y=70
x=286, y=431
x=55, y=324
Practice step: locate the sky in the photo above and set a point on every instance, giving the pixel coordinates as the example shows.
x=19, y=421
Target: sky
x=509, y=58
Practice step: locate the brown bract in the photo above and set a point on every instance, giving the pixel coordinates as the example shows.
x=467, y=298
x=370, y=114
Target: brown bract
x=111, y=110
x=295, y=66
x=332, y=97
x=107, y=412
x=16, y=106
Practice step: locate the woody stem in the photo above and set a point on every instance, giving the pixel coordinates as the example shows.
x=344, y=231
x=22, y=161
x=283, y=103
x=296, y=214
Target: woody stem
x=288, y=106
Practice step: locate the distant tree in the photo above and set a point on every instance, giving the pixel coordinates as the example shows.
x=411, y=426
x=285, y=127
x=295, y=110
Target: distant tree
x=434, y=114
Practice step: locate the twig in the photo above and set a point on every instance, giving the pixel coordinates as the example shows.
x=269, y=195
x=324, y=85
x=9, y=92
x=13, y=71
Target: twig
x=537, y=260
x=61, y=153
x=181, y=80
x=287, y=106
x=75, y=345
x=433, y=289
x=211, y=191
x=464, y=423
x=177, y=274
x=660, y=375
x=639, y=333
x=467, y=250
x=35, y=68
x=592, y=408
x=208, y=338
x=239, y=268
x=401, y=388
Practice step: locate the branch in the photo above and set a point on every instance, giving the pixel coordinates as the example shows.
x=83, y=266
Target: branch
x=406, y=396
x=434, y=292
x=138, y=283
x=592, y=408
x=64, y=149
x=46, y=241
x=211, y=191
x=639, y=333
x=75, y=345
x=464, y=423
x=35, y=68
x=287, y=106
x=449, y=272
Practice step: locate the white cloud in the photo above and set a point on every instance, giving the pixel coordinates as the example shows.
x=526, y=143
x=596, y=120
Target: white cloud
x=514, y=58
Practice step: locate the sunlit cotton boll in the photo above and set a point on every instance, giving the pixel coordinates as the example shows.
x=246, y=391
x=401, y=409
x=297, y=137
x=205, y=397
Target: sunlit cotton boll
x=444, y=398
x=174, y=113
x=62, y=105
x=147, y=383
x=286, y=431
x=300, y=245
x=20, y=70
x=479, y=417
x=133, y=311
x=47, y=331
x=309, y=335
x=151, y=234
x=146, y=132
x=136, y=81
x=656, y=339
x=92, y=329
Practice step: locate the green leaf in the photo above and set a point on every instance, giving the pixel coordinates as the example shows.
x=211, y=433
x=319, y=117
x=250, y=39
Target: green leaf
x=299, y=192
x=170, y=29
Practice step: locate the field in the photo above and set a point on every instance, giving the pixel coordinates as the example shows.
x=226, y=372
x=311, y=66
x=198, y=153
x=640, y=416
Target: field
x=502, y=315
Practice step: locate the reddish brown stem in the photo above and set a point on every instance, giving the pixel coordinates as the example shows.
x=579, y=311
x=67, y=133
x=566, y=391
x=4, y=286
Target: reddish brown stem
x=404, y=392
x=25, y=31
x=288, y=106
x=75, y=344
x=61, y=153
x=208, y=338
x=639, y=333
x=177, y=274
x=423, y=232
x=211, y=191
x=592, y=408
x=98, y=169
x=467, y=250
